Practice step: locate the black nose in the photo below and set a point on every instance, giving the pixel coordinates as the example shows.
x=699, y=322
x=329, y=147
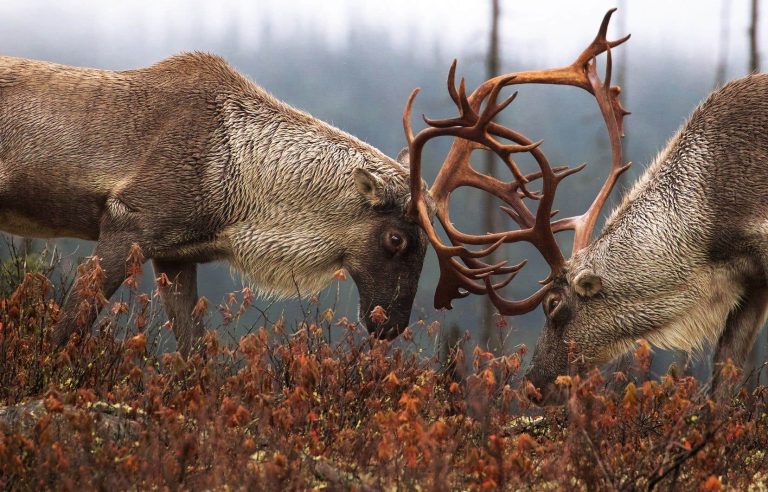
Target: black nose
x=548, y=392
x=387, y=322
x=551, y=395
x=385, y=331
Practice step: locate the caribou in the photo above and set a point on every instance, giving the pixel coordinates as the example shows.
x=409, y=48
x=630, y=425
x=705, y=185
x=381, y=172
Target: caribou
x=191, y=162
x=682, y=262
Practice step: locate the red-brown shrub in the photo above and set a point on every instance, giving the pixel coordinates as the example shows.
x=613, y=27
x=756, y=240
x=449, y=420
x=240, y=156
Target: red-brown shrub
x=284, y=409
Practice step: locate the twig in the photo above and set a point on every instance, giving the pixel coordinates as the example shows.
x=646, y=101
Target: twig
x=599, y=461
x=659, y=476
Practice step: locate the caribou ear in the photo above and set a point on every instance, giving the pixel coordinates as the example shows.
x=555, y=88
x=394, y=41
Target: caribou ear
x=587, y=283
x=403, y=157
x=368, y=185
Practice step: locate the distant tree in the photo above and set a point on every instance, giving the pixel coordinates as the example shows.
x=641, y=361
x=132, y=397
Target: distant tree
x=723, y=42
x=754, y=55
x=490, y=212
x=621, y=81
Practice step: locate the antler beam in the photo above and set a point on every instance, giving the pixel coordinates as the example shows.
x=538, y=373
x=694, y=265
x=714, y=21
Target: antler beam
x=461, y=270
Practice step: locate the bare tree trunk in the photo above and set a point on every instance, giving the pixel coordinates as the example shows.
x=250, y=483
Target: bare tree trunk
x=621, y=81
x=754, y=55
x=724, y=43
x=490, y=212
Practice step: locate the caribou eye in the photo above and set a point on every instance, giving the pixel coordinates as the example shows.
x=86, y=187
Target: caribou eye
x=394, y=242
x=552, y=304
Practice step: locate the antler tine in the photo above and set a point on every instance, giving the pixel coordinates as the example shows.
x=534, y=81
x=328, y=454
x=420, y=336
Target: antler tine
x=473, y=129
x=495, y=241
x=514, y=148
x=536, y=175
x=491, y=107
x=452, y=83
x=608, y=71
x=453, y=285
x=479, y=272
x=414, y=155
x=467, y=112
x=477, y=265
x=512, y=308
x=467, y=116
x=407, y=115
x=600, y=44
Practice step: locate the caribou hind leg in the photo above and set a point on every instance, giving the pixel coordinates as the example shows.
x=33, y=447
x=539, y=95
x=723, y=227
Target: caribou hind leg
x=739, y=336
x=81, y=306
x=179, y=298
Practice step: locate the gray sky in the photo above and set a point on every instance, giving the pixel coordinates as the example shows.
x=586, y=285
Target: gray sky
x=545, y=27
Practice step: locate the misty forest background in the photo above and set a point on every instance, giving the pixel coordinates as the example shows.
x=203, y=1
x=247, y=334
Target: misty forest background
x=353, y=64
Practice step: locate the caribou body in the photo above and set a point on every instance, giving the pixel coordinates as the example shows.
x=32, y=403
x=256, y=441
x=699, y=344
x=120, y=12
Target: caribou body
x=683, y=261
x=193, y=163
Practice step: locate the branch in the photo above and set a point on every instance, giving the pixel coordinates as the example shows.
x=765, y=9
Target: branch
x=661, y=475
x=23, y=418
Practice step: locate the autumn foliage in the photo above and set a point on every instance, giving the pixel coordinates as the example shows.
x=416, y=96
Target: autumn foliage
x=283, y=409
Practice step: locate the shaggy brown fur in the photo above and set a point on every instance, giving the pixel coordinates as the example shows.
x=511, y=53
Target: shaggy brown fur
x=683, y=261
x=195, y=163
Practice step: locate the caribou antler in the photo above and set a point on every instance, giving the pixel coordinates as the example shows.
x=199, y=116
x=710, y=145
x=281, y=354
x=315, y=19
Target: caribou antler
x=461, y=270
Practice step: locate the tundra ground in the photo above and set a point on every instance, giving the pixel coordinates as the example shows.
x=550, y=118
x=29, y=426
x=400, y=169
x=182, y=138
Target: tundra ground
x=284, y=409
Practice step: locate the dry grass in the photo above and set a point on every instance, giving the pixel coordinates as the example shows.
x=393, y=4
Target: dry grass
x=283, y=409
